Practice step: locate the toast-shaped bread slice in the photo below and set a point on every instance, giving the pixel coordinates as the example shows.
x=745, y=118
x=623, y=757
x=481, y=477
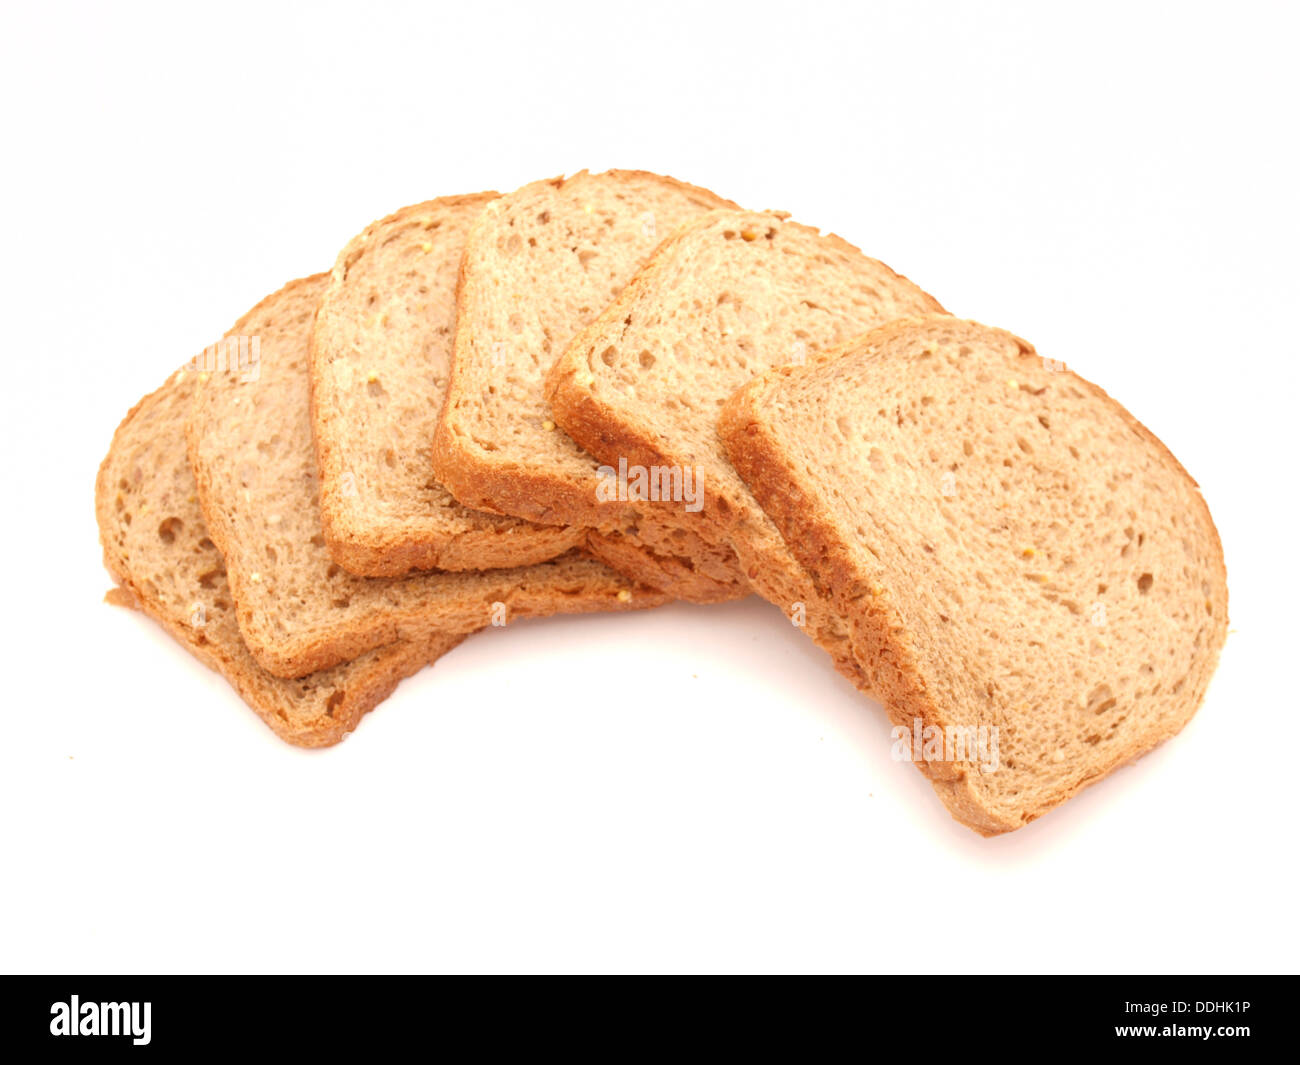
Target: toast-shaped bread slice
x=1018, y=559
x=250, y=444
x=727, y=296
x=540, y=263
x=380, y=355
x=157, y=549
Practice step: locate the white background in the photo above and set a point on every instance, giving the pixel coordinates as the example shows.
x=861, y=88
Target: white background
x=695, y=788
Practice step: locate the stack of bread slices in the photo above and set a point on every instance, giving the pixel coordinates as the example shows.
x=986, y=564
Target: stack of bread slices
x=606, y=392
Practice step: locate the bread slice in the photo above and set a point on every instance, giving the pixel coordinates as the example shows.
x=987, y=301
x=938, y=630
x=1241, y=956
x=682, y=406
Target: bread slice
x=157, y=548
x=250, y=444
x=380, y=354
x=727, y=296
x=1010, y=548
x=540, y=263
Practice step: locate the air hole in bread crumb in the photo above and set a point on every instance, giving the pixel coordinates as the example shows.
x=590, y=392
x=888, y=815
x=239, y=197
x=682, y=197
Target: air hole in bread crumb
x=168, y=529
x=608, y=355
x=271, y=554
x=1101, y=699
x=1145, y=582
x=333, y=570
x=646, y=359
x=334, y=701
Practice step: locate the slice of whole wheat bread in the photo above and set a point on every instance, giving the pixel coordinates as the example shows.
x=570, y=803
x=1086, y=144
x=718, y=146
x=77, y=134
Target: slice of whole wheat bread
x=157, y=548
x=727, y=296
x=380, y=355
x=250, y=444
x=540, y=263
x=1011, y=549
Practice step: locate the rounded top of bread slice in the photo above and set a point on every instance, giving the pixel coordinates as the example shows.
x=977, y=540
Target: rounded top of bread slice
x=1009, y=546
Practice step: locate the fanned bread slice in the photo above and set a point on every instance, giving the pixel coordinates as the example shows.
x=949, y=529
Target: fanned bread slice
x=540, y=263
x=724, y=298
x=380, y=355
x=1011, y=550
x=157, y=549
x=251, y=448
